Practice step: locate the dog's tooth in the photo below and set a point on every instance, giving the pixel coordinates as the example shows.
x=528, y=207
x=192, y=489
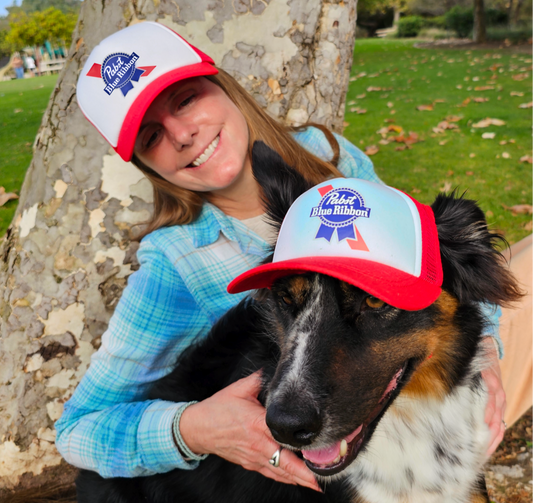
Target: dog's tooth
x=336, y=460
x=344, y=447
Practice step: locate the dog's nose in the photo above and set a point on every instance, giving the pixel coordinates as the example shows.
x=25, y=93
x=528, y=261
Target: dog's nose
x=297, y=426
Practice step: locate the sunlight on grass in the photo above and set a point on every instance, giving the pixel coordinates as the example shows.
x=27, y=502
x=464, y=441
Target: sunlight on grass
x=22, y=104
x=391, y=78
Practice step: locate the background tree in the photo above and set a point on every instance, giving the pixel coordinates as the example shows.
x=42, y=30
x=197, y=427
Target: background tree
x=480, y=28
x=36, y=28
x=68, y=253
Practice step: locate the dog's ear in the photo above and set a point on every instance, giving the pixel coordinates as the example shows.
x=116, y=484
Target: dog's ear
x=281, y=184
x=474, y=270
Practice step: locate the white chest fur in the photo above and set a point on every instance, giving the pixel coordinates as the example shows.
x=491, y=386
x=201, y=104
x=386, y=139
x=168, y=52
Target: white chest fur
x=425, y=451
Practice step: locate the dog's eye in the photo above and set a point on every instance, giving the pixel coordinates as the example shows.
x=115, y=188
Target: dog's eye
x=287, y=300
x=374, y=302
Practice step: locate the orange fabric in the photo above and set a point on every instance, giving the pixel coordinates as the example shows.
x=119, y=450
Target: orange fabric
x=516, y=334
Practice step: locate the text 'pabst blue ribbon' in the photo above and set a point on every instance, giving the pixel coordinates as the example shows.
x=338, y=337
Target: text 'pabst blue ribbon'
x=338, y=209
x=118, y=70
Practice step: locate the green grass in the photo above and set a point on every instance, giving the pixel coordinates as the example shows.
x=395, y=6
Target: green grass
x=416, y=77
x=22, y=104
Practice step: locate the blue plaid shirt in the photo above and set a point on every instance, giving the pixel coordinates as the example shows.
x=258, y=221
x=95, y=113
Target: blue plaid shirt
x=178, y=293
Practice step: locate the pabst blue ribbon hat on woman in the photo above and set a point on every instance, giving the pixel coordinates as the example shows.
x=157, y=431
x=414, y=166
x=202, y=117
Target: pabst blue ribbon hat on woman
x=367, y=234
x=126, y=72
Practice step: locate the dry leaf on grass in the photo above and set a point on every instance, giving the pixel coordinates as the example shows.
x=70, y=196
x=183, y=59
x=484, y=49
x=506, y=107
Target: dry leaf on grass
x=529, y=226
x=488, y=122
x=443, y=142
x=6, y=196
x=361, y=111
x=520, y=76
x=371, y=150
x=481, y=100
x=506, y=155
x=446, y=187
x=519, y=209
x=526, y=105
x=409, y=139
x=488, y=136
x=17, y=110
x=526, y=158
x=372, y=89
x=361, y=96
x=427, y=108
x=454, y=118
x=483, y=88
x=516, y=93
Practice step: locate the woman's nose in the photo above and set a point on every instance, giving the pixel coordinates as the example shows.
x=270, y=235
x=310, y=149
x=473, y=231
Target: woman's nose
x=180, y=132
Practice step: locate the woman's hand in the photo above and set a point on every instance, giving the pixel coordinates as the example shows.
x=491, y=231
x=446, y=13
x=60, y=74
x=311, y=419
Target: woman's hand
x=231, y=424
x=496, y=403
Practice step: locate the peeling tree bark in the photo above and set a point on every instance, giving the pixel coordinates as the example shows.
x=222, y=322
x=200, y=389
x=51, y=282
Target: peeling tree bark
x=480, y=31
x=68, y=252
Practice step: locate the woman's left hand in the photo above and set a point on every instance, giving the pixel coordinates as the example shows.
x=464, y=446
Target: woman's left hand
x=496, y=403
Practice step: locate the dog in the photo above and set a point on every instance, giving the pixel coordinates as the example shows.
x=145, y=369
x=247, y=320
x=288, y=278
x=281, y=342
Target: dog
x=395, y=393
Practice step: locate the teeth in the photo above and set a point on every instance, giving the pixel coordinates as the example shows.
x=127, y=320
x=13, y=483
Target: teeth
x=336, y=460
x=344, y=447
x=207, y=153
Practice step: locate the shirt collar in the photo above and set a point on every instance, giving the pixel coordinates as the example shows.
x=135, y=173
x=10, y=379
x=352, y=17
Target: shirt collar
x=211, y=221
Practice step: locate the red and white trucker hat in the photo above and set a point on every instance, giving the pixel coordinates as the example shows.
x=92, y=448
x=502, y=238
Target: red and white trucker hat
x=126, y=71
x=367, y=234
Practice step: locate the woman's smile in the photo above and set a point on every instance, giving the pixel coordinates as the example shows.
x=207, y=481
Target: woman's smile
x=207, y=153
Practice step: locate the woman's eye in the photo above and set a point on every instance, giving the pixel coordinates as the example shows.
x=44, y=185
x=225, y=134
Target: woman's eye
x=152, y=139
x=374, y=302
x=182, y=103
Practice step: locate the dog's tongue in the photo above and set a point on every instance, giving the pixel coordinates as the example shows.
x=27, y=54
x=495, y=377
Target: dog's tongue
x=323, y=456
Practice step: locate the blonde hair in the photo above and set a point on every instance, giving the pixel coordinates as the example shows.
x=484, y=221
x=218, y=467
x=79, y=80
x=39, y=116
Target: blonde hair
x=177, y=206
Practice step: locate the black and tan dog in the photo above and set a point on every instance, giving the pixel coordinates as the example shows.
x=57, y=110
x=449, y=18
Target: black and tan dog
x=390, y=399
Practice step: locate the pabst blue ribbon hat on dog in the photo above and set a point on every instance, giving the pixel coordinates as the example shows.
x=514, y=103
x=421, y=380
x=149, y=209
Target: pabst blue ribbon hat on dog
x=367, y=234
x=126, y=71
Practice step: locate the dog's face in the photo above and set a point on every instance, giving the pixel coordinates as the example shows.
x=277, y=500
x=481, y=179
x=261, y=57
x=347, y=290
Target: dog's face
x=345, y=356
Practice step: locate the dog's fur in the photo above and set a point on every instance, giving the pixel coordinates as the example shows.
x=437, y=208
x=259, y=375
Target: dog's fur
x=329, y=354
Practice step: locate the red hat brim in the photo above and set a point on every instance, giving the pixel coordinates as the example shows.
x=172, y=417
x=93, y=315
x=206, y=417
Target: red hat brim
x=395, y=287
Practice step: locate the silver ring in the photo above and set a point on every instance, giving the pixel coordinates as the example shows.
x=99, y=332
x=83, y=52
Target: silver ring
x=504, y=424
x=274, y=460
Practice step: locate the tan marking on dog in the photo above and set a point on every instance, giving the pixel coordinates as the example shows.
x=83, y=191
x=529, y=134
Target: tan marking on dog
x=430, y=378
x=479, y=498
x=299, y=288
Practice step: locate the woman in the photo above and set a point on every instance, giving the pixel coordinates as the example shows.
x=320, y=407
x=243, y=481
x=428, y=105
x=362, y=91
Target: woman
x=189, y=128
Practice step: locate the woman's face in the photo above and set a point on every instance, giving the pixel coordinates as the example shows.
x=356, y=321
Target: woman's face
x=195, y=137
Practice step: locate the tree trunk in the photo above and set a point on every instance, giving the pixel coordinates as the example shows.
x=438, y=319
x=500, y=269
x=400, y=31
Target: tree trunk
x=516, y=13
x=480, y=35
x=67, y=255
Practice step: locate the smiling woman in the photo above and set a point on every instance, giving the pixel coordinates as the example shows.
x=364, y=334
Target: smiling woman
x=190, y=128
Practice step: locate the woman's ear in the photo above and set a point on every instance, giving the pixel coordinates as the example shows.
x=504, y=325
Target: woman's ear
x=474, y=270
x=281, y=184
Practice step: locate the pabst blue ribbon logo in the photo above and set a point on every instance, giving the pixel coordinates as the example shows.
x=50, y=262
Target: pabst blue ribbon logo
x=337, y=210
x=118, y=71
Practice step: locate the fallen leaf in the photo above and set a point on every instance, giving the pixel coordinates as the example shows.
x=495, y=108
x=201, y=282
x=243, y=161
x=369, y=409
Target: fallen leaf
x=519, y=209
x=443, y=142
x=472, y=155
x=503, y=142
x=428, y=108
x=17, y=110
x=416, y=191
x=390, y=104
x=454, y=118
x=345, y=124
x=371, y=150
x=439, y=101
x=516, y=93
x=459, y=86
x=351, y=102
x=373, y=89
x=526, y=105
x=362, y=74
x=488, y=122
x=354, y=109
x=469, y=173
x=512, y=140
x=389, y=120
x=488, y=136
x=526, y=158
x=6, y=196
x=483, y=88
x=480, y=100
x=447, y=125
x=438, y=130
x=383, y=141
x=361, y=96
x=529, y=226
x=520, y=76
x=446, y=187
x=506, y=155
x=361, y=111
x=401, y=147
